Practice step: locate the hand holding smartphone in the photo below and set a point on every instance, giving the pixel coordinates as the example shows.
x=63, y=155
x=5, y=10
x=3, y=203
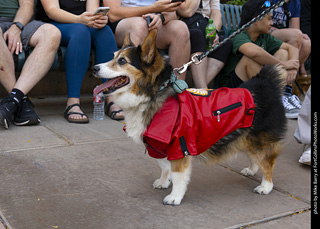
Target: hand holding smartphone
x=102, y=10
x=172, y=1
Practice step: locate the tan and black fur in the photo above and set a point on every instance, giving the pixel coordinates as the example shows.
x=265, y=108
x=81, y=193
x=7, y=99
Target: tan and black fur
x=145, y=70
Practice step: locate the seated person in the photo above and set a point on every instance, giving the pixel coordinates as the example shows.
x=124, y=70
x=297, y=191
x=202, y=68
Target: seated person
x=18, y=31
x=255, y=47
x=195, y=14
x=129, y=16
x=80, y=31
x=286, y=27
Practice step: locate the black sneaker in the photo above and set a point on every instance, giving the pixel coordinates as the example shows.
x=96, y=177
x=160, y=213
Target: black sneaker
x=8, y=108
x=26, y=116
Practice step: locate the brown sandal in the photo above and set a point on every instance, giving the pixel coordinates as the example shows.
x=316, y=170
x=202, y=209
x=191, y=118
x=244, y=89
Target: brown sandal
x=72, y=120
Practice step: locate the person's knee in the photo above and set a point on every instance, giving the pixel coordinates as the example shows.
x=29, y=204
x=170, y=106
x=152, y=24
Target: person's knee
x=136, y=27
x=49, y=35
x=180, y=31
x=282, y=55
x=53, y=34
x=140, y=32
x=306, y=45
x=296, y=38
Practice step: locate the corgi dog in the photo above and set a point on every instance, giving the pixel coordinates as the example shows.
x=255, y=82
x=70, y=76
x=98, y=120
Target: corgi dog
x=139, y=81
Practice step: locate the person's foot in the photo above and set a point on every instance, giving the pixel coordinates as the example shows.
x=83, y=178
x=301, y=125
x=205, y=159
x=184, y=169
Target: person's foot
x=291, y=111
x=8, y=108
x=26, y=116
x=74, y=114
x=306, y=157
x=295, y=101
x=114, y=112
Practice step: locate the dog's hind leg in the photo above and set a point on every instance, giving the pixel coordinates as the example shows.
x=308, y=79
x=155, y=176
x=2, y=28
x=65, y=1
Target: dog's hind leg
x=165, y=180
x=251, y=170
x=266, y=163
x=181, y=172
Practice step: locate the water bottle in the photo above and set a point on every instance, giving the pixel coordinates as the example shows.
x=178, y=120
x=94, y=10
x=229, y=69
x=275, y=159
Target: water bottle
x=98, y=106
x=211, y=32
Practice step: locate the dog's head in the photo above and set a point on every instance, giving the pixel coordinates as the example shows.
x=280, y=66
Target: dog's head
x=135, y=74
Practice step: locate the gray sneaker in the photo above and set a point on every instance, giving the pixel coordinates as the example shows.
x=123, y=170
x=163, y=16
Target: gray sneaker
x=295, y=101
x=291, y=111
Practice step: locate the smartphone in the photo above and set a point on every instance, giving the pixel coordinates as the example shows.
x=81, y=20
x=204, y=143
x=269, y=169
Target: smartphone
x=102, y=10
x=177, y=1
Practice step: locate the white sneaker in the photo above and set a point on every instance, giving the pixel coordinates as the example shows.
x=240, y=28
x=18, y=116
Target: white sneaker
x=291, y=111
x=295, y=101
x=306, y=157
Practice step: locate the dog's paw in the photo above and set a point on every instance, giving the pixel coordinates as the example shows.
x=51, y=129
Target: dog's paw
x=264, y=189
x=161, y=183
x=247, y=172
x=172, y=200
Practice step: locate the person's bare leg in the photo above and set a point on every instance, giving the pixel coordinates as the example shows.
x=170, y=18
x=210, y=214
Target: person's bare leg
x=45, y=41
x=247, y=68
x=7, y=72
x=295, y=38
x=199, y=73
x=175, y=36
x=214, y=67
x=136, y=26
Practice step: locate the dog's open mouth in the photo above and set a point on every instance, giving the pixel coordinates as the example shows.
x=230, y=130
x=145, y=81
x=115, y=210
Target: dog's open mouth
x=111, y=85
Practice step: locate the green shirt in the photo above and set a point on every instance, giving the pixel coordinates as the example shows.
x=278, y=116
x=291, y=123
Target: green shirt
x=9, y=8
x=265, y=41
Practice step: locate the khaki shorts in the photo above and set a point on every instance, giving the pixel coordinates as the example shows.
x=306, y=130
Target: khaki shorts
x=27, y=32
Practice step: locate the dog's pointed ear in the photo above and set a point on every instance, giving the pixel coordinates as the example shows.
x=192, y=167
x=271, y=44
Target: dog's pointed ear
x=127, y=41
x=148, y=48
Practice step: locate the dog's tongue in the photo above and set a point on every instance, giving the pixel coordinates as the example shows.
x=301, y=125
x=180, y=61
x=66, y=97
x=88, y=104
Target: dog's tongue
x=103, y=86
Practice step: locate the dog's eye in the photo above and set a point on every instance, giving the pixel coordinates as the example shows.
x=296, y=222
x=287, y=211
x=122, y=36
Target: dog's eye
x=122, y=61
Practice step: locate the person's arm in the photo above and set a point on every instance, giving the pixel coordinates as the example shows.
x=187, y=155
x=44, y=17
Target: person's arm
x=25, y=12
x=102, y=19
x=188, y=8
x=217, y=20
x=294, y=23
x=55, y=13
x=117, y=12
x=262, y=57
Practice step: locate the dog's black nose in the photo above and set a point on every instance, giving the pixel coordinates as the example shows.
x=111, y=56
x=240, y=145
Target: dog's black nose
x=95, y=68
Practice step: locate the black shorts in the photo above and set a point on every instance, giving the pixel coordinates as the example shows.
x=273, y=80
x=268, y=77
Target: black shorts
x=27, y=32
x=234, y=81
x=113, y=25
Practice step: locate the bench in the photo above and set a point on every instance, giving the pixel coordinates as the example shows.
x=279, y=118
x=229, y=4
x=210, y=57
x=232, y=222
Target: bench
x=230, y=18
x=56, y=76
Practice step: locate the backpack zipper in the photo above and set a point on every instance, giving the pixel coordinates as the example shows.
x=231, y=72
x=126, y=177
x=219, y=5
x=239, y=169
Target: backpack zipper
x=226, y=109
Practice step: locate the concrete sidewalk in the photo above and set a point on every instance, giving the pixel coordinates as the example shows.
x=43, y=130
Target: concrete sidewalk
x=70, y=176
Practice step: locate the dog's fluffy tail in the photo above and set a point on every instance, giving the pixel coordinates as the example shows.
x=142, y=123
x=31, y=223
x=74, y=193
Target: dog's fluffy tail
x=267, y=90
x=271, y=78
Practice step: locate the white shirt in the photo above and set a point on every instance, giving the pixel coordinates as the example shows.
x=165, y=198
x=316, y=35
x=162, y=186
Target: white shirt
x=209, y=5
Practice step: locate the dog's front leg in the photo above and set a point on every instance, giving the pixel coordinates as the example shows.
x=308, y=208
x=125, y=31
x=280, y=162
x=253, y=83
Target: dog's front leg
x=165, y=180
x=181, y=172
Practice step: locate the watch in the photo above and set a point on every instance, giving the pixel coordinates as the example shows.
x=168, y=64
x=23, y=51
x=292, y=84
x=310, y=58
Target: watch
x=163, y=19
x=19, y=25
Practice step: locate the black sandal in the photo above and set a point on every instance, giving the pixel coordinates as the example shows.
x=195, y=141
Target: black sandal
x=72, y=120
x=113, y=113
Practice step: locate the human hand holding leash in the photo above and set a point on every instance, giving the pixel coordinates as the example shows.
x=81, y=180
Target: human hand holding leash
x=155, y=21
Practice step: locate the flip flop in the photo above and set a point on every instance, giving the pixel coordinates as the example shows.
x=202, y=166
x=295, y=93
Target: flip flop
x=113, y=113
x=72, y=120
